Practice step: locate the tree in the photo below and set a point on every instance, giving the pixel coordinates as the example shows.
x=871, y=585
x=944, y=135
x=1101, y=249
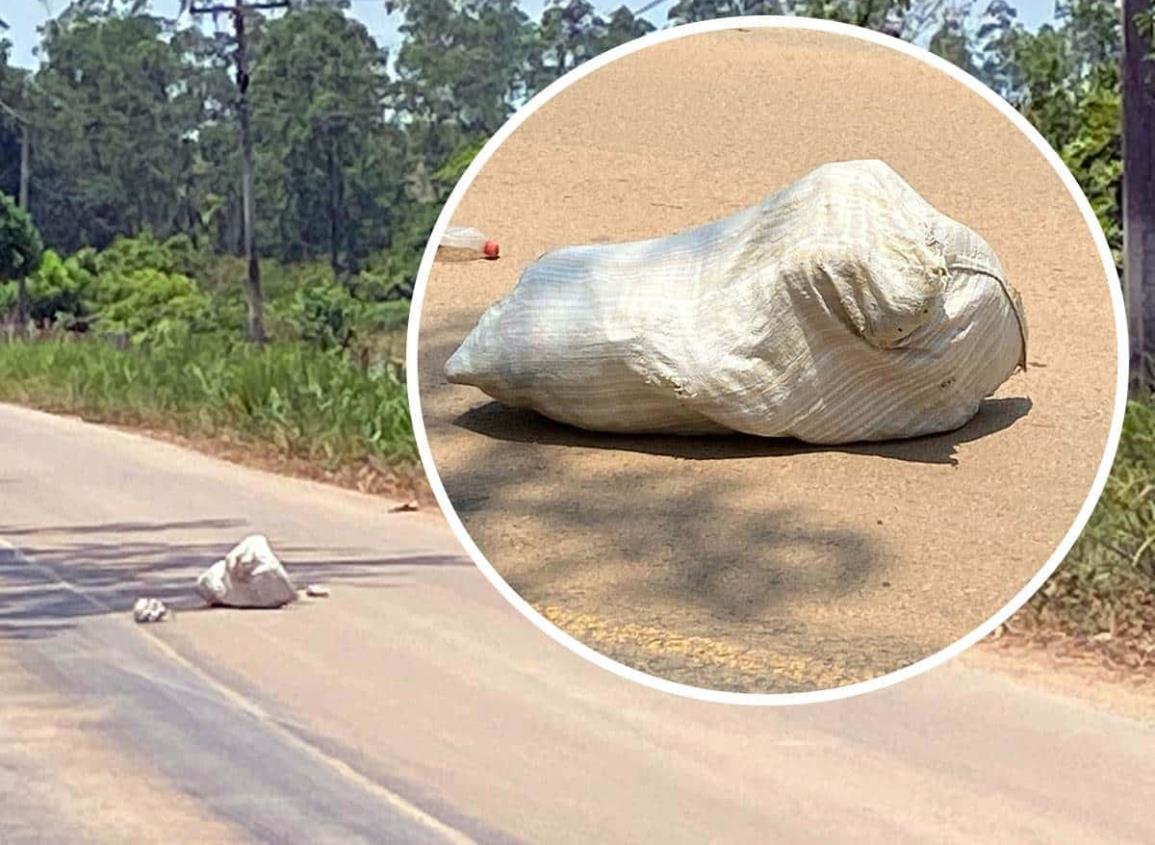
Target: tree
x=567, y=36
x=11, y=146
x=460, y=68
x=950, y=40
x=908, y=19
x=690, y=11
x=622, y=26
x=571, y=32
x=20, y=252
x=1064, y=79
x=997, y=30
x=329, y=164
x=1139, y=180
x=210, y=210
x=460, y=71
x=118, y=119
x=1093, y=30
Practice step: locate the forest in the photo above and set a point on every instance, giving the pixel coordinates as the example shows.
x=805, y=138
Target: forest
x=121, y=220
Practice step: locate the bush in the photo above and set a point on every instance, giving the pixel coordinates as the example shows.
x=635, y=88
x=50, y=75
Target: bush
x=20, y=244
x=1101, y=595
x=20, y=250
x=58, y=292
x=1095, y=155
x=391, y=274
x=382, y=317
x=149, y=305
x=133, y=289
x=326, y=315
x=124, y=255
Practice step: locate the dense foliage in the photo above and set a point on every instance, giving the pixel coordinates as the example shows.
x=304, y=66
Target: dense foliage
x=1101, y=597
x=20, y=246
x=143, y=292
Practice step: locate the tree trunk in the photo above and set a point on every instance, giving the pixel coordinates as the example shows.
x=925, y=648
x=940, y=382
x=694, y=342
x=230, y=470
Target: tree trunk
x=1138, y=83
x=334, y=205
x=25, y=164
x=22, y=307
x=22, y=281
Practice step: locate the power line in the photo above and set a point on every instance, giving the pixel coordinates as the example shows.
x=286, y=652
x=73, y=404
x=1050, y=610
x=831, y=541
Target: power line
x=653, y=3
x=648, y=6
x=238, y=8
x=15, y=115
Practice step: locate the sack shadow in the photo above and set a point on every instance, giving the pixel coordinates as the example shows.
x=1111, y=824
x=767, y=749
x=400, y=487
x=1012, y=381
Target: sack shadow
x=518, y=425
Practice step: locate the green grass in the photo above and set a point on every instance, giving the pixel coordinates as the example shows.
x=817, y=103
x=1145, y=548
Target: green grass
x=1103, y=595
x=304, y=403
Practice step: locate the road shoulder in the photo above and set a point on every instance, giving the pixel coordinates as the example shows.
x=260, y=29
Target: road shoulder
x=1115, y=690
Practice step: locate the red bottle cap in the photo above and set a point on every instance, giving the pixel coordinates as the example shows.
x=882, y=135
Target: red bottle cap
x=490, y=249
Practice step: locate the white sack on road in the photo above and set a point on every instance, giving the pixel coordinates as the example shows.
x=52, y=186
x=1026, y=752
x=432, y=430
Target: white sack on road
x=842, y=308
x=249, y=576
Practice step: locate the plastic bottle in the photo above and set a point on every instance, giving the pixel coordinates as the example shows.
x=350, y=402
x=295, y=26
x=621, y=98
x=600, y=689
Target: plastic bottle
x=462, y=243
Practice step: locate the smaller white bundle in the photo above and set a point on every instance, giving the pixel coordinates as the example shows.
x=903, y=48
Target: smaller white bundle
x=149, y=610
x=249, y=576
x=842, y=308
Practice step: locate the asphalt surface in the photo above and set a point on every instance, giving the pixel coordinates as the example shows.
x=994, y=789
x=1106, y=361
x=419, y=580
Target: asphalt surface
x=414, y=705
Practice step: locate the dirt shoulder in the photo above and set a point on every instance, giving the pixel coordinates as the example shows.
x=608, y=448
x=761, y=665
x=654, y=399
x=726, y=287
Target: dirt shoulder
x=1078, y=675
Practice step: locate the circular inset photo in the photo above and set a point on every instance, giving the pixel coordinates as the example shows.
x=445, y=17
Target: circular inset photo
x=791, y=362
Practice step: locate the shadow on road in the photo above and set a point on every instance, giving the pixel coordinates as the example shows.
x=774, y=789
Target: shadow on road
x=60, y=573
x=122, y=527
x=655, y=553
x=514, y=424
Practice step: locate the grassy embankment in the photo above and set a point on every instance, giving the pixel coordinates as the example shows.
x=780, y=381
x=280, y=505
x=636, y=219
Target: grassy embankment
x=288, y=406
x=1101, y=600
x=149, y=335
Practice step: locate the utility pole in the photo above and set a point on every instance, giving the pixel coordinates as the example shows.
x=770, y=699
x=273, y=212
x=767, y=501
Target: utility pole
x=1138, y=83
x=256, y=327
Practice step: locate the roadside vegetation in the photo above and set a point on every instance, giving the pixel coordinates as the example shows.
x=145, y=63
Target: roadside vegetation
x=151, y=335
x=290, y=400
x=1101, y=600
x=122, y=282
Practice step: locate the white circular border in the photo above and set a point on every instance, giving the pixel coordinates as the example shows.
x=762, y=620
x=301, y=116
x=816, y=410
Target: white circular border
x=699, y=693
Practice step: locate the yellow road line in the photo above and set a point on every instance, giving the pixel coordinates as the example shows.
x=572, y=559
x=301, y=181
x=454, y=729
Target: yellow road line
x=754, y=663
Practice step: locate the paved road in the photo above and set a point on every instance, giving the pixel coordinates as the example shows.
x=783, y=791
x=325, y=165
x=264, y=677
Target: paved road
x=415, y=706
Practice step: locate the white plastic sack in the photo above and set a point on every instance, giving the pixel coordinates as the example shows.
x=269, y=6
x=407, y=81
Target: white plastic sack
x=842, y=308
x=249, y=576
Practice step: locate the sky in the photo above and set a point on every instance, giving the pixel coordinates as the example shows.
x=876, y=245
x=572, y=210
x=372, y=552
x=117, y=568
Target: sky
x=24, y=16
